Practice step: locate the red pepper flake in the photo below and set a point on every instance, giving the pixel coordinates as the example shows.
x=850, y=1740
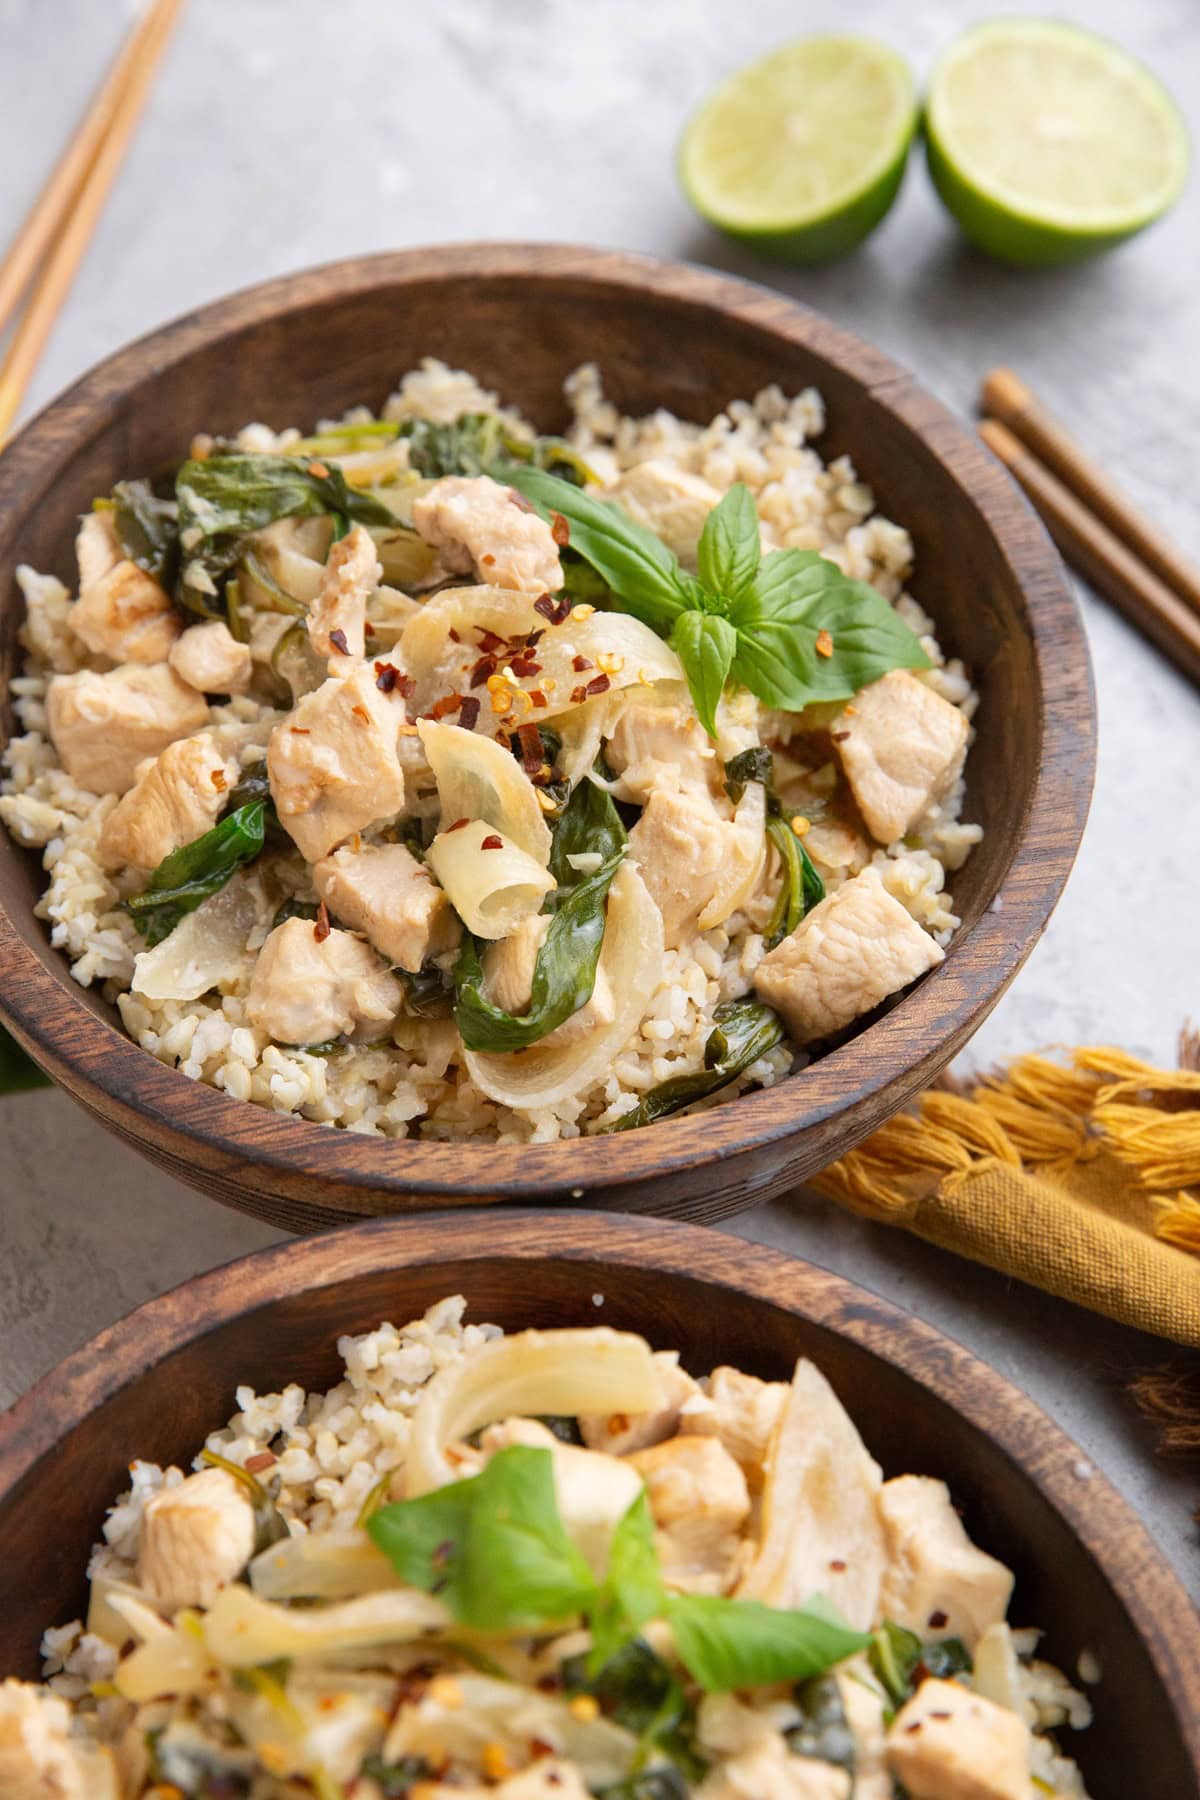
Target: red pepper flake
x=262, y=1460
x=386, y=676
x=453, y=636
x=457, y=825
x=839, y=737
x=599, y=684
x=530, y=741
x=487, y=561
x=504, y=740
x=219, y=780
x=560, y=531
x=322, y=928
x=941, y=1715
x=368, y=629
x=937, y=1620
x=580, y=663
x=519, y=501
x=837, y=1565
x=360, y=712
x=824, y=644
x=488, y=640
x=485, y=667
x=531, y=637
x=524, y=665
x=319, y=470
x=449, y=703
x=492, y=842
x=913, y=1728
x=300, y=730
x=553, y=611
x=537, y=697
x=337, y=638
x=578, y=695
x=468, y=713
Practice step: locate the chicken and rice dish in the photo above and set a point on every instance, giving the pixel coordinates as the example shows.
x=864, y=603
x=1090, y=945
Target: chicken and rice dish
x=426, y=776
x=539, y=1567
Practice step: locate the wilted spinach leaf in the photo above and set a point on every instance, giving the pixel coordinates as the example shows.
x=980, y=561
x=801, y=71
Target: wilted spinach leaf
x=743, y=1030
x=147, y=528
x=196, y=871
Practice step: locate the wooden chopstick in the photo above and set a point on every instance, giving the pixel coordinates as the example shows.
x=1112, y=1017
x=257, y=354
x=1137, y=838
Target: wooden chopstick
x=1006, y=397
x=1101, y=557
x=73, y=198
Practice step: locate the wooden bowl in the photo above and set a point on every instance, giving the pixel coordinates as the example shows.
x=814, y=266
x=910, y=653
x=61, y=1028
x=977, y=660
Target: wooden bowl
x=155, y=1384
x=521, y=317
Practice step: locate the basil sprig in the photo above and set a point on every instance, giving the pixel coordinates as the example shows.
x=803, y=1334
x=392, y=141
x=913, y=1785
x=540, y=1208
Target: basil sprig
x=743, y=1030
x=197, y=871
x=565, y=971
x=494, y=1549
x=790, y=626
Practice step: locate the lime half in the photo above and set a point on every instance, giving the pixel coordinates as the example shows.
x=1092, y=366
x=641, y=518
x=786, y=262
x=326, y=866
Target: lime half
x=802, y=154
x=1048, y=144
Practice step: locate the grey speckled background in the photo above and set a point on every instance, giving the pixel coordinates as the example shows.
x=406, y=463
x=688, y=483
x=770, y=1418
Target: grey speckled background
x=287, y=132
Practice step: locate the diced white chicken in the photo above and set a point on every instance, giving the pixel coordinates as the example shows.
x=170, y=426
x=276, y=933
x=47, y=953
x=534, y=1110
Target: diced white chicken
x=195, y=1539
x=38, y=1758
x=104, y=726
x=307, y=989
x=384, y=892
x=209, y=657
x=121, y=612
x=902, y=747
x=947, y=1743
x=768, y=1770
x=700, y=1503
x=173, y=801
x=352, y=573
x=937, y=1583
x=849, y=953
x=742, y=1412
x=475, y=524
x=670, y=502
x=619, y=1433
x=682, y=845
x=820, y=1530
x=652, y=747
x=508, y=965
x=334, y=764
x=593, y=1491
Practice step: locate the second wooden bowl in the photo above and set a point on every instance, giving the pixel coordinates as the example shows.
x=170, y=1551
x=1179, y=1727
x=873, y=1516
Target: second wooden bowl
x=521, y=317
x=157, y=1383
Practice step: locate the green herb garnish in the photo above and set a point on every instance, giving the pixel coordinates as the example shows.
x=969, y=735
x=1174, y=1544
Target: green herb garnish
x=198, y=870
x=789, y=626
x=474, y=443
x=902, y=1661
x=147, y=528
x=801, y=888
x=743, y=1030
x=824, y=1732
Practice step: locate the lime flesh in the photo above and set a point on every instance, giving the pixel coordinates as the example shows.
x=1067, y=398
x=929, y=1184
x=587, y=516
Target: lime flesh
x=1048, y=144
x=802, y=154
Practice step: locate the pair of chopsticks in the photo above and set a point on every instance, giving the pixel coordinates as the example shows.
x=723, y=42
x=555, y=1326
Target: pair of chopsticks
x=50, y=243
x=1100, y=532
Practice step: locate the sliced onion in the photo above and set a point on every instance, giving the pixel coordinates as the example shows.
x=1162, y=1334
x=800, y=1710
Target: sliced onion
x=477, y=779
x=491, y=890
x=205, y=948
x=745, y=858
x=588, y=1371
x=241, y=1629
x=321, y=1566
x=631, y=960
x=513, y=1716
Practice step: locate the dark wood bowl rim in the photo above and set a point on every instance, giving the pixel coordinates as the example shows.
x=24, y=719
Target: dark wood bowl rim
x=65, y=1035
x=42, y=1421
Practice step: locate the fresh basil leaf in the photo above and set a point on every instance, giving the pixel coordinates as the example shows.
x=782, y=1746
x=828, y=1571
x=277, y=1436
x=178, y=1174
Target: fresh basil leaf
x=730, y=547
x=564, y=973
x=147, y=528
x=800, y=889
x=493, y=1547
x=639, y=569
x=727, y=1644
x=706, y=645
x=631, y=1591
x=19, y=1074
x=637, y=1690
x=798, y=599
x=743, y=1030
x=197, y=870
x=755, y=764
x=824, y=1731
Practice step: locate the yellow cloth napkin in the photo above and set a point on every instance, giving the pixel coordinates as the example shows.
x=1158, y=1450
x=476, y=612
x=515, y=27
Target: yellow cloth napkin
x=1073, y=1176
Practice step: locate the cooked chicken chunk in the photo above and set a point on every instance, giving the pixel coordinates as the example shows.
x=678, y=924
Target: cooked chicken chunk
x=947, y=1743
x=209, y=657
x=594, y=1492
x=767, y=1770
x=173, y=802
x=195, y=1538
x=121, y=612
x=849, y=953
x=476, y=525
x=654, y=747
x=508, y=965
x=667, y=501
x=700, y=1503
x=682, y=845
x=820, y=1529
x=619, y=1433
x=104, y=726
x=334, y=764
x=39, y=1760
x=307, y=989
x=902, y=747
x=385, y=893
x=742, y=1412
x=352, y=573
x=937, y=1582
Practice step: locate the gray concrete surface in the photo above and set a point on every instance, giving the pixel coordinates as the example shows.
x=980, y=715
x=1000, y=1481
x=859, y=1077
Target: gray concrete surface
x=285, y=132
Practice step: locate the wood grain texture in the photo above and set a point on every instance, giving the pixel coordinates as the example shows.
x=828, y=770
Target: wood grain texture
x=521, y=317
x=156, y=1383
